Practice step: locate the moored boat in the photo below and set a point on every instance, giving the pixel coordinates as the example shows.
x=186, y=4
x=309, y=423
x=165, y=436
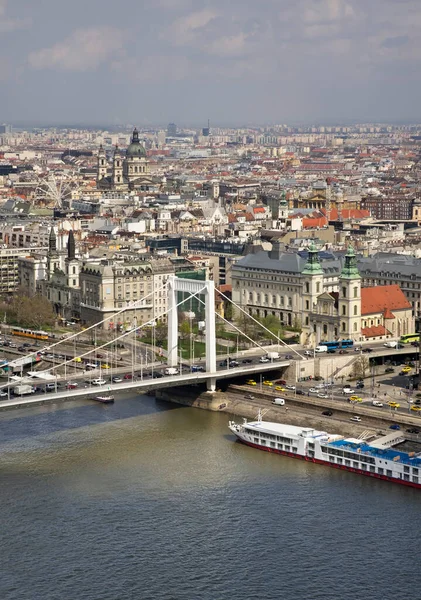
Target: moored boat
x=104, y=399
x=375, y=459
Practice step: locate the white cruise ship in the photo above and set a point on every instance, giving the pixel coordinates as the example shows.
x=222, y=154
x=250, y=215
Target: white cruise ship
x=376, y=459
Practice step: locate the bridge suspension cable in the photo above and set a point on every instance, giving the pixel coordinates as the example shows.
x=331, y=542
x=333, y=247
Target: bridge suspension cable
x=260, y=324
x=124, y=334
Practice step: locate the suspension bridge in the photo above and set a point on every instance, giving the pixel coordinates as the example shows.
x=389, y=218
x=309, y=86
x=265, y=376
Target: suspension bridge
x=149, y=374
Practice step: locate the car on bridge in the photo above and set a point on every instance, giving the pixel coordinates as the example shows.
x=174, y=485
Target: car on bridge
x=390, y=370
x=117, y=379
x=355, y=399
x=290, y=387
x=264, y=359
x=251, y=382
x=395, y=426
x=128, y=376
x=268, y=383
x=416, y=408
x=247, y=361
x=197, y=369
x=71, y=385
x=394, y=404
x=367, y=350
x=413, y=430
x=98, y=382
x=279, y=388
x=327, y=413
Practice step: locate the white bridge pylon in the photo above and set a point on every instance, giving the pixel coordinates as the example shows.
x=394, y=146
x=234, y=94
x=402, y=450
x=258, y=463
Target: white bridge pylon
x=192, y=287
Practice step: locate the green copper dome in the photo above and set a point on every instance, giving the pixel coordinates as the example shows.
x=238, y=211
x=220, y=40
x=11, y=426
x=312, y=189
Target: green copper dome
x=313, y=266
x=135, y=149
x=350, y=268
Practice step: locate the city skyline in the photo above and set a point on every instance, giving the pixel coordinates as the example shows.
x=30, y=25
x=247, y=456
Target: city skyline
x=312, y=61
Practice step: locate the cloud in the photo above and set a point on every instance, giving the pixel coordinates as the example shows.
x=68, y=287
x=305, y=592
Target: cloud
x=187, y=29
x=234, y=45
x=7, y=24
x=83, y=50
x=153, y=69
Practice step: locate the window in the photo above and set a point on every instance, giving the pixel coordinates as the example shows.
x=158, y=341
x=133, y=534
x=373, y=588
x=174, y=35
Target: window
x=343, y=327
x=344, y=292
x=344, y=310
x=307, y=287
x=355, y=310
x=307, y=305
x=325, y=329
x=306, y=320
x=355, y=327
x=355, y=292
x=318, y=287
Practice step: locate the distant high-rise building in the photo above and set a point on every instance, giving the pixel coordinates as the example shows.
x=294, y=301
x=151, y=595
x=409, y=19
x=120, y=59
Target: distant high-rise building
x=172, y=130
x=5, y=129
x=206, y=130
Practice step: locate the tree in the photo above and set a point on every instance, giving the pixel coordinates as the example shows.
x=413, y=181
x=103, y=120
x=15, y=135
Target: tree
x=185, y=330
x=360, y=366
x=34, y=312
x=161, y=332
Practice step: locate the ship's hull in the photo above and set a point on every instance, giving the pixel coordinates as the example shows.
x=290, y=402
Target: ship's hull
x=329, y=464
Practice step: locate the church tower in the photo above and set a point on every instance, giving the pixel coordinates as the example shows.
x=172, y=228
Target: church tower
x=136, y=165
x=349, y=305
x=102, y=164
x=71, y=262
x=117, y=181
x=313, y=277
x=53, y=257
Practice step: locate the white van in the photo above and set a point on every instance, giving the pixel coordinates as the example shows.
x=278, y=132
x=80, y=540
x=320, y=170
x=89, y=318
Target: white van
x=390, y=344
x=171, y=371
x=377, y=403
x=279, y=401
x=321, y=349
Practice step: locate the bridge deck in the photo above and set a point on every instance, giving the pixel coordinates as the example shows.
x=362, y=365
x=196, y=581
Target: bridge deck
x=166, y=381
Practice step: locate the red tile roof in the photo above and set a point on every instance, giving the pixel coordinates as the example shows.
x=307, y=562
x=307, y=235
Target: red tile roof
x=375, y=331
x=378, y=299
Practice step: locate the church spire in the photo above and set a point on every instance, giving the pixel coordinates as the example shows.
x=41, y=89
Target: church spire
x=71, y=247
x=313, y=266
x=350, y=268
x=52, y=241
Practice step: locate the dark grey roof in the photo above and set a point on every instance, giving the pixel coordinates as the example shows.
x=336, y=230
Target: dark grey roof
x=388, y=262
x=289, y=262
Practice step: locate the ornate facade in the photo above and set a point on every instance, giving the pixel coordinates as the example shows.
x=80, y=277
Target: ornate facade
x=129, y=172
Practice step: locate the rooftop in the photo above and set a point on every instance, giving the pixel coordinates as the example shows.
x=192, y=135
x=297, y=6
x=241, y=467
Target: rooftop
x=360, y=447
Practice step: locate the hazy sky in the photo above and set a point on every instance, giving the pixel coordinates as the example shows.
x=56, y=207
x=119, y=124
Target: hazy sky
x=234, y=61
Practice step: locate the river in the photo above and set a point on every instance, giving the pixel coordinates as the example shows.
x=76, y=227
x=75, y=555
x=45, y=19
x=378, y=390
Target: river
x=144, y=500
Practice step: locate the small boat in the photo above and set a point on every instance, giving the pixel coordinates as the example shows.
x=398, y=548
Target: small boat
x=104, y=399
